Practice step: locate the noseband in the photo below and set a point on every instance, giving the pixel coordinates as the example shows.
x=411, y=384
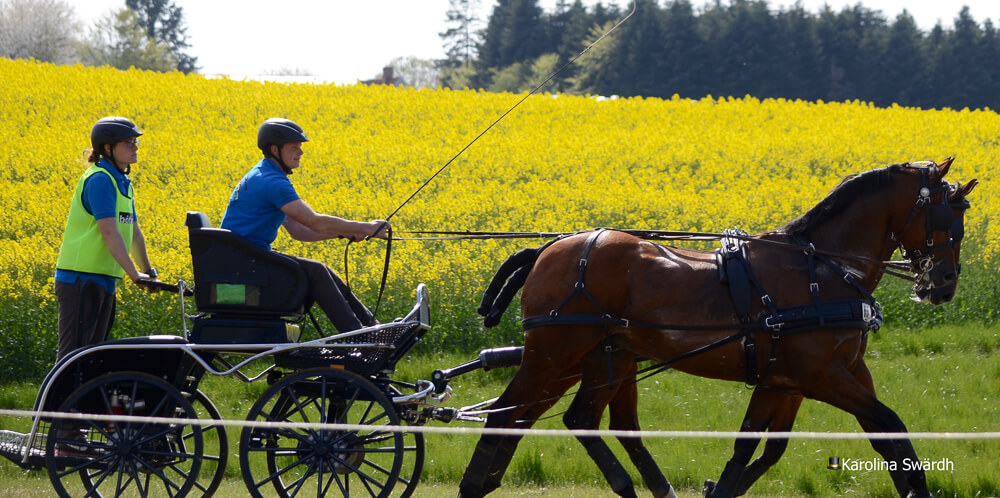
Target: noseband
x=938, y=217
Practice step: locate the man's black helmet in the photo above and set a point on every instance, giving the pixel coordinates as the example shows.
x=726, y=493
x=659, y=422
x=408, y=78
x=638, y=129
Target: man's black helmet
x=110, y=130
x=279, y=131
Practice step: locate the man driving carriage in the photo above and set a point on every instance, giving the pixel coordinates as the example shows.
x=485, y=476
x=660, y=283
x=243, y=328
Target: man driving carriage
x=265, y=200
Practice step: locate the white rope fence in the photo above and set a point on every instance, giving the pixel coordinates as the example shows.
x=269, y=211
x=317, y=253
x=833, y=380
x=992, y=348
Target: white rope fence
x=514, y=432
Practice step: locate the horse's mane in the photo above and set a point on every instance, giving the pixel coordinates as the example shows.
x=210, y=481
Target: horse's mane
x=846, y=192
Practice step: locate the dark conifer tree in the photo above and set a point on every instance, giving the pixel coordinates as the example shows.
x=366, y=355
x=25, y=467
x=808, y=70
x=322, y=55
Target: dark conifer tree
x=683, y=65
x=798, y=52
x=961, y=73
x=991, y=52
x=642, y=52
x=522, y=37
x=164, y=22
x=903, y=64
x=462, y=36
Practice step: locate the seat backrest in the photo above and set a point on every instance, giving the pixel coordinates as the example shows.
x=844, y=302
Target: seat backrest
x=232, y=276
x=197, y=220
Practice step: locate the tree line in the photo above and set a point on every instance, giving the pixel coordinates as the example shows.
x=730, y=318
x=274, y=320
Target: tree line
x=742, y=47
x=146, y=34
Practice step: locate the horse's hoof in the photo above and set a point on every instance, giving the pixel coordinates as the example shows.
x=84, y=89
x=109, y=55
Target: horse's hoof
x=466, y=493
x=708, y=488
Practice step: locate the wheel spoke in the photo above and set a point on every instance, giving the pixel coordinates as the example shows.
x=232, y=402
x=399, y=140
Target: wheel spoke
x=278, y=473
x=301, y=481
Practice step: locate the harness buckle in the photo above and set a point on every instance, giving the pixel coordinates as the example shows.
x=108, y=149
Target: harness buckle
x=866, y=312
x=583, y=262
x=814, y=287
x=769, y=323
x=766, y=299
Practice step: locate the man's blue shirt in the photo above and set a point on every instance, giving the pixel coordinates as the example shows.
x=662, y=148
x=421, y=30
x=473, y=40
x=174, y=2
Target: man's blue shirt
x=99, y=200
x=254, y=209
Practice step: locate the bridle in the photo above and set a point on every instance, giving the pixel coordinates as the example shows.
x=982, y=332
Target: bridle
x=938, y=217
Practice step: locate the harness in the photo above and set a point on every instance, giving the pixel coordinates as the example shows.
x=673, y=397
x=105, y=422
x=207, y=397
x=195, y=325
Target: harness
x=736, y=272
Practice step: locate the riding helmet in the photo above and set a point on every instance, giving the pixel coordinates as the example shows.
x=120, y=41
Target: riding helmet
x=279, y=131
x=111, y=130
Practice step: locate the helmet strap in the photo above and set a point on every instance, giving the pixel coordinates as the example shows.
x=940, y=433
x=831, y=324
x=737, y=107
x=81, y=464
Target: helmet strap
x=281, y=162
x=114, y=162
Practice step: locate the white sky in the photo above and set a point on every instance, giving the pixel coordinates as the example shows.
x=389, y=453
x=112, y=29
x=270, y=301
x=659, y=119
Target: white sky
x=347, y=40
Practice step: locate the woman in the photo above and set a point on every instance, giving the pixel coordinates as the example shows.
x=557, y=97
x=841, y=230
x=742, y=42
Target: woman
x=101, y=233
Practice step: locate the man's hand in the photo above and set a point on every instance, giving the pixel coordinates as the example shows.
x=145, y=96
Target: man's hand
x=379, y=230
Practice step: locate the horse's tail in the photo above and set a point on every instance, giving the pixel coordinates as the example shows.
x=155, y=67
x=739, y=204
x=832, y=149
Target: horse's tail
x=506, y=282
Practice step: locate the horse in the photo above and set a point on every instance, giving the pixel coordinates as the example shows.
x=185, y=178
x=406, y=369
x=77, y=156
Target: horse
x=596, y=302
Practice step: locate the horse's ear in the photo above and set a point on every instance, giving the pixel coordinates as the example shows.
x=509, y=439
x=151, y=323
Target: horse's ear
x=945, y=166
x=967, y=188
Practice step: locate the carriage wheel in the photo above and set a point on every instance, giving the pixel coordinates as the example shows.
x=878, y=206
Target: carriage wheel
x=359, y=461
x=216, y=448
x=413, y=460
x=111, y=458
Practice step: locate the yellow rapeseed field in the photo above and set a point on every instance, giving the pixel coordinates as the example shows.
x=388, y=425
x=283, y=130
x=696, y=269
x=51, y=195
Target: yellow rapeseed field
x=558, y=163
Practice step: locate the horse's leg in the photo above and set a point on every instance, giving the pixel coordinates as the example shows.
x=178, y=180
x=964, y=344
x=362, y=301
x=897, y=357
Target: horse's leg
x=854, y=392
x=544, y=360
x=767, y=410
x=784, y=417
x=623, y=417
x=507, y=445
x=588, y=406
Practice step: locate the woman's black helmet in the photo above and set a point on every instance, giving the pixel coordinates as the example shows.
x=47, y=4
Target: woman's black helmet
x=111, y=130
x=279, y=131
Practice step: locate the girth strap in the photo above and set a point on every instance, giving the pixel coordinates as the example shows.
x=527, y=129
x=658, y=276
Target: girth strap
x=581, y=288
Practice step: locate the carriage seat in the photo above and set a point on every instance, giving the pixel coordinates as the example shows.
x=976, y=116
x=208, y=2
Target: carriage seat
x=244, y=293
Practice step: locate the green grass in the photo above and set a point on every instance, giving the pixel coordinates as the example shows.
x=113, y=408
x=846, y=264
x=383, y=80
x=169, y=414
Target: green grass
x=938, y=379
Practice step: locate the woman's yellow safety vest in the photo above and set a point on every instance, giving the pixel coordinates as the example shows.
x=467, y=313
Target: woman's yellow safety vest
x=83, y=248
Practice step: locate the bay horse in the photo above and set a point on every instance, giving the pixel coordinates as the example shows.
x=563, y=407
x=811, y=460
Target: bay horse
x=596, y=302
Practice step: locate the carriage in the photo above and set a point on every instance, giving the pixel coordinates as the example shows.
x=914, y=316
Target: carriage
x=132, y=421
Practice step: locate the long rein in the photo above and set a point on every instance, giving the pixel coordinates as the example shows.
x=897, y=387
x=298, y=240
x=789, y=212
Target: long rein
x=893, y=268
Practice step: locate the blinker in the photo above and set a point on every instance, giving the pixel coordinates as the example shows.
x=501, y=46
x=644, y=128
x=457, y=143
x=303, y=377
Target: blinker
x=940, y=217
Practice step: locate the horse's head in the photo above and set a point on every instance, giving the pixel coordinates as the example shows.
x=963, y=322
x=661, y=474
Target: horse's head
x=930, y=234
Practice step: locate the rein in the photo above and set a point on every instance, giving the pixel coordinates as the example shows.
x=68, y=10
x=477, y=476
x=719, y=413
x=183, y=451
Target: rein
x=887, y=267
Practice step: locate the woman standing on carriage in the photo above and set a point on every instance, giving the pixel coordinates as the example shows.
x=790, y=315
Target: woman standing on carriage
x=265, y=200
x=102, y=236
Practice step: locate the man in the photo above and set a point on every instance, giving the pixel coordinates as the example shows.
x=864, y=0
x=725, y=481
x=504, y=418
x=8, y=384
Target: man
x=265, y=200
x=101, y=237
